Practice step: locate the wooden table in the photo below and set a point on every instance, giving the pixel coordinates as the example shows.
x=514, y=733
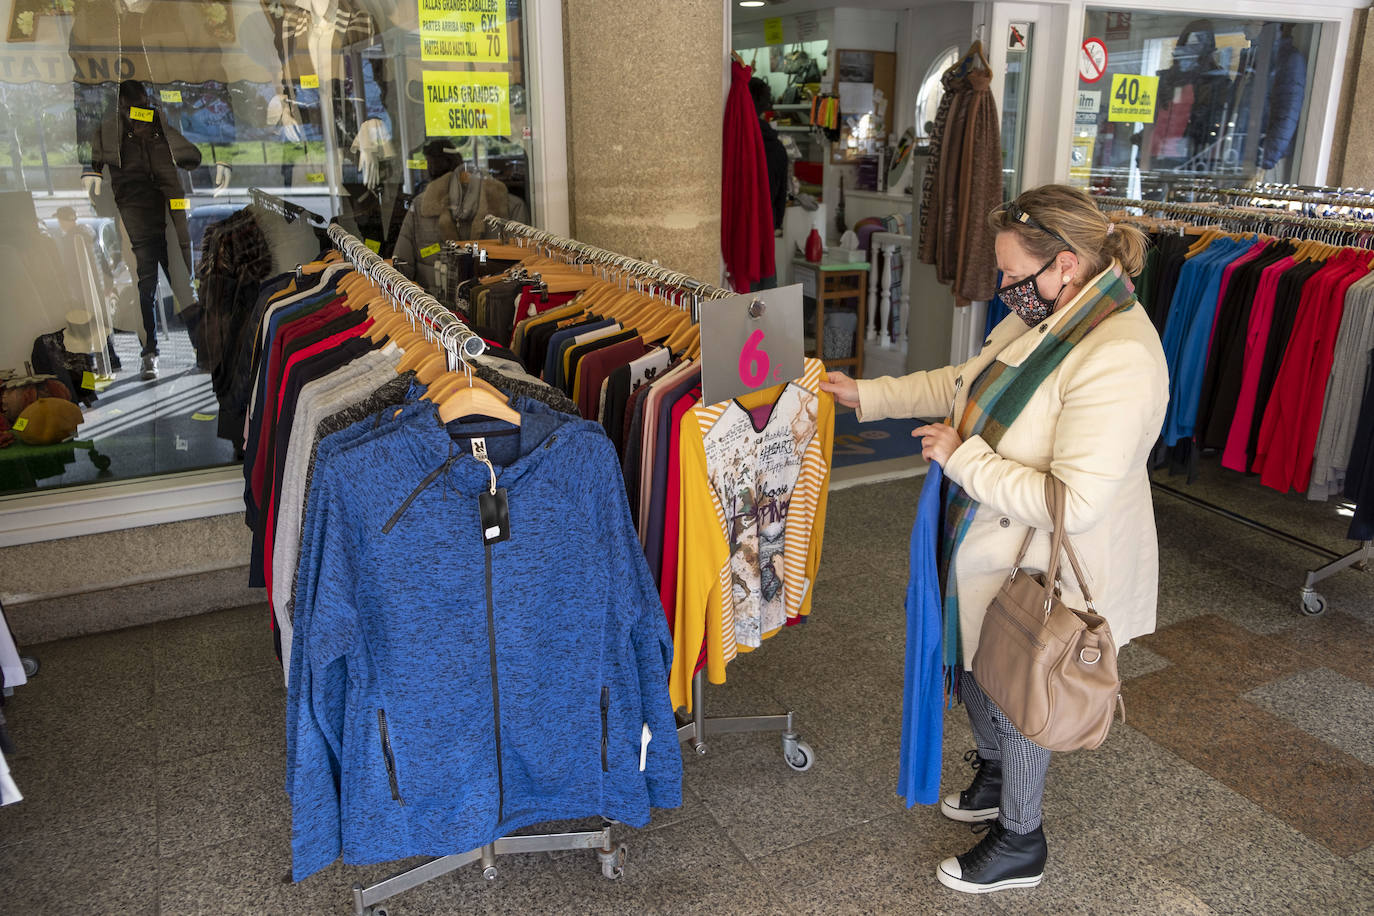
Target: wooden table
x=841, y=286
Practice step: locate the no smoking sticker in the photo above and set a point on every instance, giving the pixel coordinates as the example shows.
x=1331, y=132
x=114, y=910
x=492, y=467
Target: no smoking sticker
x=1092, y=60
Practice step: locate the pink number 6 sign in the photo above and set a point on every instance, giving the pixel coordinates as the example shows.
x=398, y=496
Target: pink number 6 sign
x=753, y=360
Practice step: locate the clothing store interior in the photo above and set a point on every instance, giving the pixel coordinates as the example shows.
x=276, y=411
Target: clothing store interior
x=948, y=426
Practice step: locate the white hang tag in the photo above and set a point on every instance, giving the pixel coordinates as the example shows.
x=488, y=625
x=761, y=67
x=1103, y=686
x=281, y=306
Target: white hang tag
x=645, y=737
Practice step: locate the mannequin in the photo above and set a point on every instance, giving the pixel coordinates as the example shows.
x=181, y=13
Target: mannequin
x=142, y=155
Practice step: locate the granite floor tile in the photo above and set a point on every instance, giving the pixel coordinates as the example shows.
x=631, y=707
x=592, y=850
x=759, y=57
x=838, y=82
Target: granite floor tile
x=1335, y=640
x=56, y=798
x=1326, y=705
x=223, y=796
x=110, y=867
x=87, y=678
x=238, y=712
x=231, y=877
x=1364, y=860
x=1268, y=868
x=228, y=644
x=1135, y=660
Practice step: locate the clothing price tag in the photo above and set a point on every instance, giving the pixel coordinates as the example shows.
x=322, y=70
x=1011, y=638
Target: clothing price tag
x=141, y=114
x=171, y=95
x=88, y=380
x=315, y=177
x=645, y=737
x=429, y=251
x=749, y=342
x=202, y=416
x=417, y=164
x=179, y=203
x=21, y=424
x=310, y=81
x=495, y=516
x=373, y=245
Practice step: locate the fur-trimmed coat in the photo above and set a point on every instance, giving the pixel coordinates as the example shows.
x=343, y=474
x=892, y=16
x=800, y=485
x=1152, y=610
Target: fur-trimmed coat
x=447, y=210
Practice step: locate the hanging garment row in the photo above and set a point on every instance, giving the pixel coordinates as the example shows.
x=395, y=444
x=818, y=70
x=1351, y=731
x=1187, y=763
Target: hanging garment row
x=728, y=499
x=1269, y=343
x=433, y=704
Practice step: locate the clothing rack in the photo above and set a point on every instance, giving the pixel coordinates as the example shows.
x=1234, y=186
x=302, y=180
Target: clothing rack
x=284, y=208
x=581, y=252
x=1313, y=602
x=437, y=320
x=459, y=340
x=796, y=752
x=1242, y=217
x=1335, y=198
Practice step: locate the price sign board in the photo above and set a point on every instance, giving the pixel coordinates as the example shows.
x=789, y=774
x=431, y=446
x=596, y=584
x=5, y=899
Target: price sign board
x=1133, y=98
x=743, y=352
x=772, y=31
x=467, y=104
x=464, y=30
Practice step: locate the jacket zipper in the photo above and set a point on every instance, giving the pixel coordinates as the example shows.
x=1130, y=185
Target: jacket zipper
x=389, y=755
x=958, y=384
x=495, y=692
x=605, y=707
x=1024, y=629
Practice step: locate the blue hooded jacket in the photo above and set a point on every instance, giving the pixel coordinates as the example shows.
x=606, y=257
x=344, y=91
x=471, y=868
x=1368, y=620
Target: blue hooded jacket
x=452, y=691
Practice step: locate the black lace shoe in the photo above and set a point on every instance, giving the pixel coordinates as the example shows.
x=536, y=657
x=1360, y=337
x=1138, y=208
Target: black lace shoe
x=1000, y=861
x=982, y=800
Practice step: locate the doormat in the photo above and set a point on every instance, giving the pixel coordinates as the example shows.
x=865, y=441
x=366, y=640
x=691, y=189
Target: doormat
x=873, y=452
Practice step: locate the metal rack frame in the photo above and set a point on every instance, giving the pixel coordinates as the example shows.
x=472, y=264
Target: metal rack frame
x=796, y=752
x=1313, y=603
x=283, y=207
x=458, y=339
x=1334, y=197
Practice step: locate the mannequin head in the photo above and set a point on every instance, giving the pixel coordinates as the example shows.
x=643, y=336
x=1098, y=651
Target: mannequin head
x=441, y=156
x=132, y=93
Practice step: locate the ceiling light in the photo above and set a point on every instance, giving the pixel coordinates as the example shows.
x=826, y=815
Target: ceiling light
x=752, y=3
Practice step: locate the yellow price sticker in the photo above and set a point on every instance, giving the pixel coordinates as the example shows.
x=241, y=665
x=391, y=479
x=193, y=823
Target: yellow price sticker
x=179, y=203
x=1133, y=98
x=171, y=95
x=373, y=245
x=21, y=424
x=141, y=114
x=310, y=81
x=88, y=380
x=420, y=164
x=315, y=177
x=464, y=30
x=467, y=103
x=202, y=416
x=429, y=250
x=772, y=31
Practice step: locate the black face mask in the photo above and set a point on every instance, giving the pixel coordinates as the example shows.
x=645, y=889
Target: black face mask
x=1023, y=297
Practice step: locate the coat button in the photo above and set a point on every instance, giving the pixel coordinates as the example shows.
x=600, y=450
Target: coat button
x=988, y=342
x=1004, y=522
x=1044, y=328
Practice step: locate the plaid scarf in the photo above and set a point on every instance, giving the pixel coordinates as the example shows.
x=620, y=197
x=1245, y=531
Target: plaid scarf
x=995, y=400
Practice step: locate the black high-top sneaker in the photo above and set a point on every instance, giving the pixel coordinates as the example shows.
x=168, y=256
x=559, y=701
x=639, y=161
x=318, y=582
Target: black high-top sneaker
x=1000, y=861
x=982, y=800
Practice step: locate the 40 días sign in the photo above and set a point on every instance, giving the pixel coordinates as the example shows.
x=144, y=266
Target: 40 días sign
x=467, y=104
x=464, y=30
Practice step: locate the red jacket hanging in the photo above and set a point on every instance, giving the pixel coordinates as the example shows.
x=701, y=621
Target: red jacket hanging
x=746, y=217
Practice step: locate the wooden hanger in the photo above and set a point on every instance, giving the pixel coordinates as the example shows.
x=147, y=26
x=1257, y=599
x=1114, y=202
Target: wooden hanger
x=472, y=400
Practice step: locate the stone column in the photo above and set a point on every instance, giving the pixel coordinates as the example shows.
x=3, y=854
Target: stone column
x=645, y=104
x=1352, y=156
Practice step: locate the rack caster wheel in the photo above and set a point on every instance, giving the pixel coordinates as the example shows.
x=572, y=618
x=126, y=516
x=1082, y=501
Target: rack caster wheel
x=489, y=873
x=1313, y=604
x=612, y=863
x=797, y=753
x=30, y=665
x=376, y=911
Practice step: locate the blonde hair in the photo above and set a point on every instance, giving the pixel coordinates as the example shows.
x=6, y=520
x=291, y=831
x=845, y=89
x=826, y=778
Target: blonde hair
x=1081, y=226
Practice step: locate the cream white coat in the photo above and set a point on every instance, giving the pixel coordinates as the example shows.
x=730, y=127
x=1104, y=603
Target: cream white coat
x=1091, y=423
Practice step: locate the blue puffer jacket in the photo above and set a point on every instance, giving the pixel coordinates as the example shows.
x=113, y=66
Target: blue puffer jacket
x=451, y=692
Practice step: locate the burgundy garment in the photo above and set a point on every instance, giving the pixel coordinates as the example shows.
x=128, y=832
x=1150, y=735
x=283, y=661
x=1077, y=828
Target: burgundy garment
x=746, y=216
x=594, y=368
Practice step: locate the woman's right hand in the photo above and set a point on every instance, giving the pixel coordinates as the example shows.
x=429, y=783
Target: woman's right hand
x=842, y=387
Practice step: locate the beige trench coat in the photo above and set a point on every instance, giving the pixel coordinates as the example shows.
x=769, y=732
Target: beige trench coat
x=1091, y=423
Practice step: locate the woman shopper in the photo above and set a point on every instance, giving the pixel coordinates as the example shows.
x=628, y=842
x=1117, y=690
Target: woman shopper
x=1073, y=383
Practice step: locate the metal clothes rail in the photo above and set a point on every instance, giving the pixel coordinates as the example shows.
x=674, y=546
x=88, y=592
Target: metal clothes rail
x=1312, y=601
x=1297, y=195
x=423, y=308
x=1236, y=215
x=796, y=752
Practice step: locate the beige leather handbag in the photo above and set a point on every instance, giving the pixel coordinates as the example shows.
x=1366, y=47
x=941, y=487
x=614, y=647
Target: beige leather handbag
x=1051, y=668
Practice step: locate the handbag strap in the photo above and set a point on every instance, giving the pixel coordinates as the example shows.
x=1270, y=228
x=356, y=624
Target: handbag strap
x=1056, y=496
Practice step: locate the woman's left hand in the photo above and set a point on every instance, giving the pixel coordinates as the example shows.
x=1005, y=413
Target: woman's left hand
x=938, y=442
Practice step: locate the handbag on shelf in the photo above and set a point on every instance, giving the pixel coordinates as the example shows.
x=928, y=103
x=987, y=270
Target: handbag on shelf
x=1050, y=667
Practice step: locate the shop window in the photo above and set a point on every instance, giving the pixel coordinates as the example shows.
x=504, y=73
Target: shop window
x=131, y=133
x=1178, y=103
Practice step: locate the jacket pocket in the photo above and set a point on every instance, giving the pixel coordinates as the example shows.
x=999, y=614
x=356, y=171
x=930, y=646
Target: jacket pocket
x=605, y=729
x=389, y=756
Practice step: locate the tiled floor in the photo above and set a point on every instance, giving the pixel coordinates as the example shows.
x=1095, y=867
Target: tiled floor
x=1244, y=782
